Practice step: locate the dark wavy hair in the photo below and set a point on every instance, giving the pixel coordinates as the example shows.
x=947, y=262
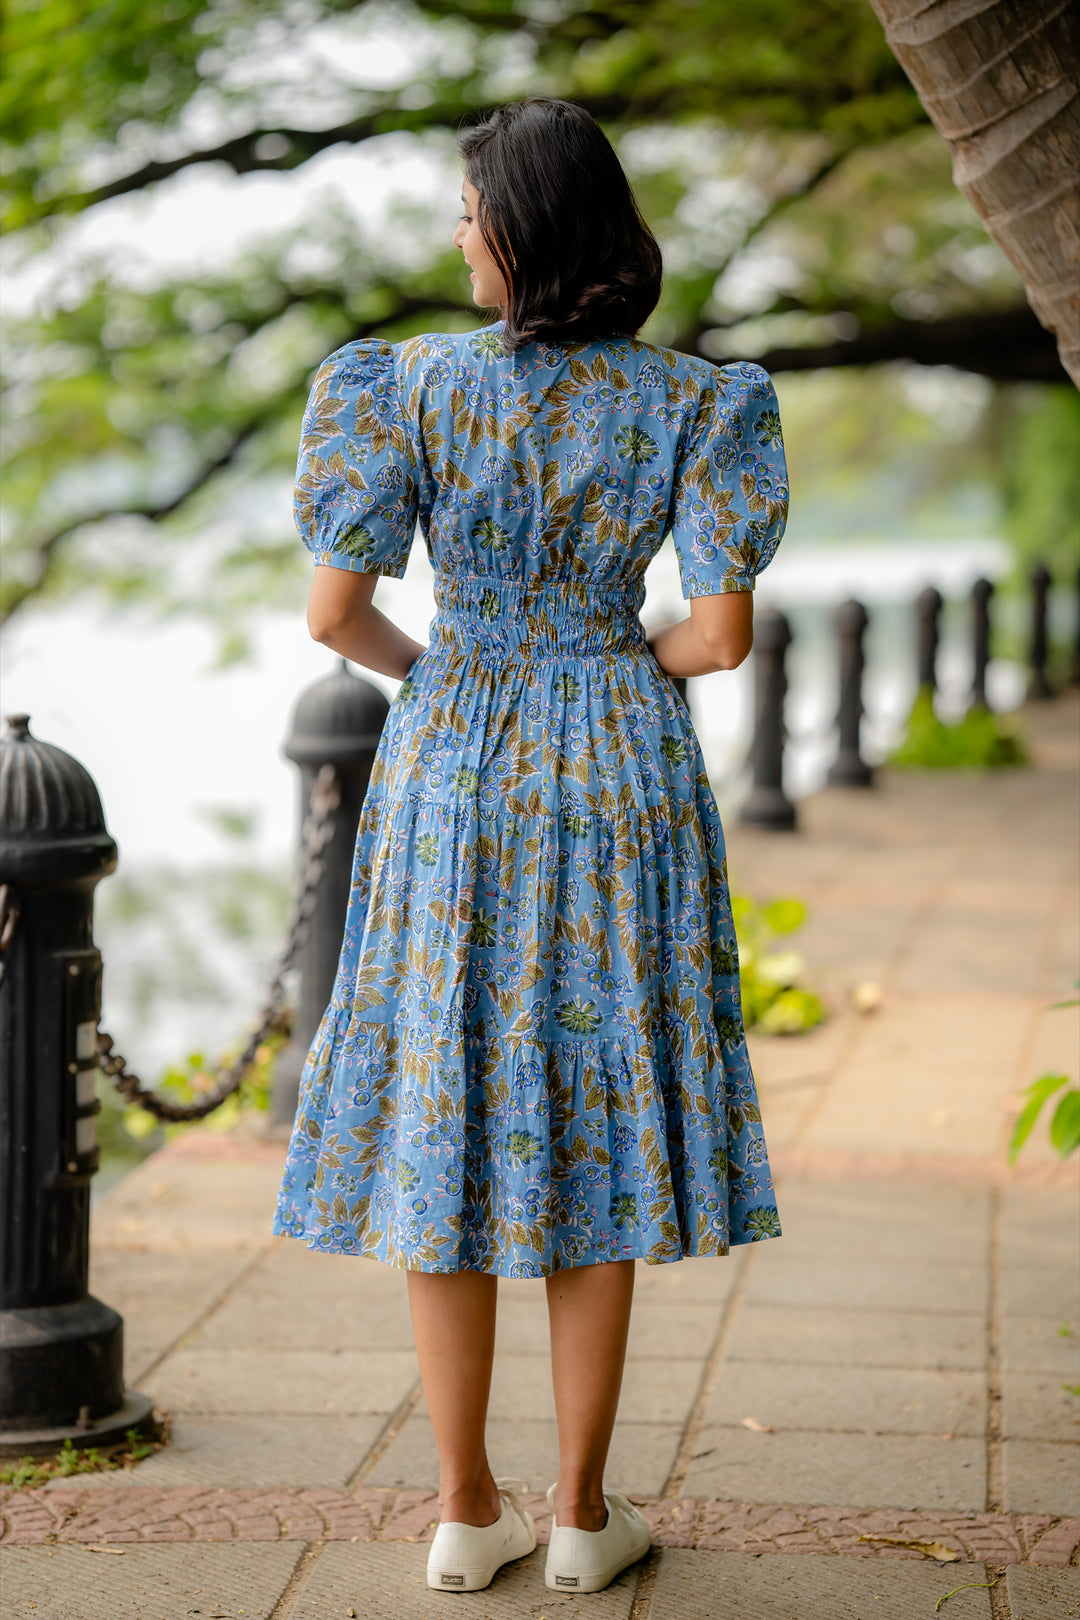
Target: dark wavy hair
x=560, y=220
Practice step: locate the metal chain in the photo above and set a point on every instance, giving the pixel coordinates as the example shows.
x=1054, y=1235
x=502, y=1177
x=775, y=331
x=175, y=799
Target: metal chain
x=317, y=832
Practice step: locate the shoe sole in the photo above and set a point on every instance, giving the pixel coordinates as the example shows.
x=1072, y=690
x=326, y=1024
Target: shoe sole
x=594, y=1582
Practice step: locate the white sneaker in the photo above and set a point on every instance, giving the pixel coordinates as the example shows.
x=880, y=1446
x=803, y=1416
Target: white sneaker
x=464, y=1557
x=588, y=1560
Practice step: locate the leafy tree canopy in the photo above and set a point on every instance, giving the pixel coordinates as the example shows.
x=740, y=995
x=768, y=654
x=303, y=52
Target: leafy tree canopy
x=153, y=396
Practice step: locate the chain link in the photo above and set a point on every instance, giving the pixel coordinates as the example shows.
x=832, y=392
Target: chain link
x=318, y=830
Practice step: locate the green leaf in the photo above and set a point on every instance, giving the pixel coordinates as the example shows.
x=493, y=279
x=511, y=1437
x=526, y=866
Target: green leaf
x=784, y=916
x=1065, y=1125
x=1037, y=1094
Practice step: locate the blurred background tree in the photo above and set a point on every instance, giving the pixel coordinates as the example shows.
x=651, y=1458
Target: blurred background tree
x=203, y=200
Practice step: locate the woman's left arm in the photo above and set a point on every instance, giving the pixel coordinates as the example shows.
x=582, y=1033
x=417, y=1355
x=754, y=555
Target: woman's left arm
x=340, y=615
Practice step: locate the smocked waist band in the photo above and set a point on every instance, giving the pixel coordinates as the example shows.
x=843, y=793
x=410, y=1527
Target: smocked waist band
x=569, y=618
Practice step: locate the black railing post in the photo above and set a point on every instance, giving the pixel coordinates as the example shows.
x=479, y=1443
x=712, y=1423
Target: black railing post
x=1039, y=647
x=337, y=721
x=928, y=605
x=767, y=804
x=981, y=592
x=849, y=769
x=61, y=1350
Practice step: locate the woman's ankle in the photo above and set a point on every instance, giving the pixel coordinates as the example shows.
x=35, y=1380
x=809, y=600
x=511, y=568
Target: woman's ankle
x=476, y=1504
x=580, y=1507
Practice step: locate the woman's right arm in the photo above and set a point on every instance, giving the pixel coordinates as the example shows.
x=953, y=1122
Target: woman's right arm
x=718, y=635
x=340, y=615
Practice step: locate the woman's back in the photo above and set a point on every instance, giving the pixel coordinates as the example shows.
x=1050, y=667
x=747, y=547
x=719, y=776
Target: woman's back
x=555, y=464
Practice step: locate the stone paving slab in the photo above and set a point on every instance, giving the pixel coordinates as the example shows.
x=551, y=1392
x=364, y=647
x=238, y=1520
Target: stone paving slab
x=265, y=1317
x=380, y=1582
x=937, y=1060
x=922, y=1471
x=866, y=1284
x=867, y=1400
x=1041, y=1228
x=256, y=1450
x=1043, y=1594
x=1039, y=1407
x=180, y=1203
x=1026, y=1291
x=160, y=1297
x=1041, y=1472
x=857, y=1338
x=1036, y=1344
x=703, y=1586
x=284, y=1381
x=144, y=1583
x=74, y=1513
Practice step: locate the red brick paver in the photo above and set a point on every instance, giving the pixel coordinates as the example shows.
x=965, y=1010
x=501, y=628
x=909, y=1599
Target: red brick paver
x=191, y=1513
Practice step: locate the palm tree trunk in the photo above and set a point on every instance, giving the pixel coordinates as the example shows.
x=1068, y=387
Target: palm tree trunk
x=1000, y=80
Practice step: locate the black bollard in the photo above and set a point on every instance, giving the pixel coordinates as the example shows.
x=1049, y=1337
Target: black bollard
x=61, y=1350
x=928, y=606
x=767, y=804
x=1039, y=647
x=981, y=592
x=337, y=721
x=849, y=769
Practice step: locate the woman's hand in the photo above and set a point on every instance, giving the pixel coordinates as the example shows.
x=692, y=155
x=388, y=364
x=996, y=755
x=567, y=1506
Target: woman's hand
x=341, y=616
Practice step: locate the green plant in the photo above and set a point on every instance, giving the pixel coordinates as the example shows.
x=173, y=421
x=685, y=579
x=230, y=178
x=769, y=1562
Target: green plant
x=190, y=1080
x=980, y=740
x=1065, y=1125
x=29, y=1473
x=772, y=999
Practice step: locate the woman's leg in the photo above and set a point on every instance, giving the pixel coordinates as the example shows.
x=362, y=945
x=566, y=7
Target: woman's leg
x=453, y=1318
x=589, y=1311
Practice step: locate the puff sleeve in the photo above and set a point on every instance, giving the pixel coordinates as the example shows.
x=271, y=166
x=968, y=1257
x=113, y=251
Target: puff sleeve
x=730, y=492
x=355, y=499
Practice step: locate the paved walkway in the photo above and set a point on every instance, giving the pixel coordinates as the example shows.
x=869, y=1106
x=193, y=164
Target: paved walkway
x=889, y=1373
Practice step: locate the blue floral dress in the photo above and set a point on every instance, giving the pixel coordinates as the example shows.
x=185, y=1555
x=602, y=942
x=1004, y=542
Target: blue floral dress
x=533, y=1057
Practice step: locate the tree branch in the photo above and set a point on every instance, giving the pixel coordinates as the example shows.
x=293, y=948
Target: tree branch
x=45, y=551
x=1006, y=345
x=240, y=155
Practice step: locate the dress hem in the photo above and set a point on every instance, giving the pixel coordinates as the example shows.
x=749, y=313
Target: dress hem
x=688, y=1253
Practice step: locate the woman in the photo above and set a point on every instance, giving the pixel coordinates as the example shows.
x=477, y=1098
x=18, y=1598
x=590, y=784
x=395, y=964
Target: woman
x=533, y=1062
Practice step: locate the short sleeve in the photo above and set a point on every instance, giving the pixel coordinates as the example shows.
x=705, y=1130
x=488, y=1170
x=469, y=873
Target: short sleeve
x=356, y=494
x=730, y=494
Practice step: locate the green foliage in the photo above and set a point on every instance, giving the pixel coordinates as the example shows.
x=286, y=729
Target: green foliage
x=772, y=999
x=190, y=1080
x=131, y=74
x=980, y=741
x=149, y=407
x=29, y=1473
x=1040, y=469
x=1065, y=1124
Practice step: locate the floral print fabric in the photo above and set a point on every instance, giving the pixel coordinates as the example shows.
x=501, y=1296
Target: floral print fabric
x=533, y=1056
